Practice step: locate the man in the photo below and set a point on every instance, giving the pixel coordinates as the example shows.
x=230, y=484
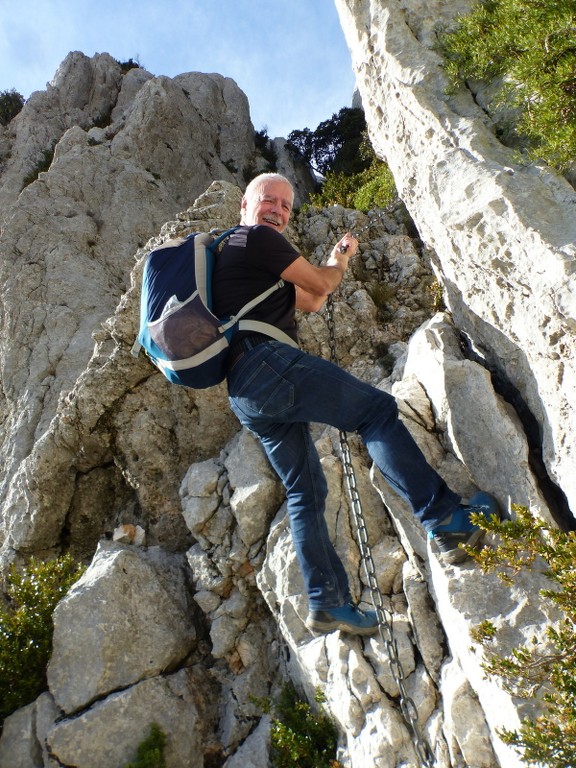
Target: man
x=276, y=390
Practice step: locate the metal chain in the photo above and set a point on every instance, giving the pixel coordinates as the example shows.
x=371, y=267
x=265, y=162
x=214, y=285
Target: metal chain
x=385, y=619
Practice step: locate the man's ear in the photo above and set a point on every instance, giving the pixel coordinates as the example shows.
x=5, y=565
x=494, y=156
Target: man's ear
x=243, y=207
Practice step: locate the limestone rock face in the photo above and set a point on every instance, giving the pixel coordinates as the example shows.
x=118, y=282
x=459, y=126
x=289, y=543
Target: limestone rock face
x=113, y=729
x=503, y=233
x=125, y=153
x=104, y=612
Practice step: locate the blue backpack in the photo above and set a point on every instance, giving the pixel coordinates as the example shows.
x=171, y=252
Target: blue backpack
x=178, y=330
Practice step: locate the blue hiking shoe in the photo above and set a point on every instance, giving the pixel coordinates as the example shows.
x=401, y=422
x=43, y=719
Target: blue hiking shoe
x=457, y=528
x=348, y=618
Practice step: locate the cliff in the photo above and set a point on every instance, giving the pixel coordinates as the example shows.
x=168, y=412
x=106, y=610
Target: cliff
x=186, y=628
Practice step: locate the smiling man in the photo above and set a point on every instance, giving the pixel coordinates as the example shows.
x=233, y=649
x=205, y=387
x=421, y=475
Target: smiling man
x=257, y=254
x=276, y=390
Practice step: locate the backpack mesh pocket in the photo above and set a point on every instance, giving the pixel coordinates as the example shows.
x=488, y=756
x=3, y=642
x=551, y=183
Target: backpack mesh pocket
x=185, y=328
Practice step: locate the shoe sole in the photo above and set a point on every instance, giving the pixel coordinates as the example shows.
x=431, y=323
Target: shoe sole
x=324, y=628
x=455, y=556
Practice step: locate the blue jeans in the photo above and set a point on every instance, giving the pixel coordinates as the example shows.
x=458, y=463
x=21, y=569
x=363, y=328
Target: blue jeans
x=276, y=391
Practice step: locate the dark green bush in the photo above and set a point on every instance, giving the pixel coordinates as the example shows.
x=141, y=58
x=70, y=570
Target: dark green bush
x=300, y=737
x=26, y=628
x=531, y=45
x=335, y=144
x=549, y=740
x=150, y=752
x=11, y=102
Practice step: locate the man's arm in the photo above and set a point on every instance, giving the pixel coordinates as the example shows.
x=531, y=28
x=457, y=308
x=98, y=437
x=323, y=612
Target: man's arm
x=315, y=284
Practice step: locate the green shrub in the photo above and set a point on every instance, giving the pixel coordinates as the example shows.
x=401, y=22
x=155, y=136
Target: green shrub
x=300, y=738
x=150, y=752
x=372, y=188
x=549, y=740
x=11, y=102
x=337, y=189
x=532, y=47
x=377, y=189
x=340, y=150
x=26, y=628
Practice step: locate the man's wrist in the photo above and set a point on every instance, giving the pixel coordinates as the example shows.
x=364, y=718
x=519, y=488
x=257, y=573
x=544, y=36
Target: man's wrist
x=340, y=261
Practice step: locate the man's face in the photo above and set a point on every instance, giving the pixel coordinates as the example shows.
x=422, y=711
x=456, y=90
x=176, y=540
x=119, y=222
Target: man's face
x=269, y=204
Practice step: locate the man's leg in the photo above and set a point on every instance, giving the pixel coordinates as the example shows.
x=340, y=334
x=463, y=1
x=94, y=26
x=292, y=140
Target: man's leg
x=278, y=383
x=301, y=387
x=293, y=455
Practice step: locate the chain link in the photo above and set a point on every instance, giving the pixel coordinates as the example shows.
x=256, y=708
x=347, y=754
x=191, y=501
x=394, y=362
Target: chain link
x=385, y=618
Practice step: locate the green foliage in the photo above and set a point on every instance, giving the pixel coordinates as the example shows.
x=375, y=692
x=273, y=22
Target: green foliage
x=524, y=542
x=376, y=187
x=437, y=295
x=300, y=737
x=531, y=45
x=11, y=102
x=340, y=150
x=26, y=628
x=371, y=188
x=335, y=144
x=150, y=752
x=337, y=189
x=43, y=164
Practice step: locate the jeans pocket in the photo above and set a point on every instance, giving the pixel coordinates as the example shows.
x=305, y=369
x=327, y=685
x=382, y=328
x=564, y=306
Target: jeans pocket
x=264, y=393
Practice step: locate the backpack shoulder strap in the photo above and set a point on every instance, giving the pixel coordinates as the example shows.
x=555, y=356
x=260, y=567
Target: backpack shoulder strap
x=218, y=238
x=255, y=326
x=251, y=304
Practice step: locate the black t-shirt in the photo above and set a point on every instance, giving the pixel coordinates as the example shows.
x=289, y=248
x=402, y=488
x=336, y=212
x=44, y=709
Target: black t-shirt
x=252, y=260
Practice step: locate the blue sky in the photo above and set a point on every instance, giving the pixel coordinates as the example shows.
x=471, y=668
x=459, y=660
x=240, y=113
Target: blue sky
x=290, y=58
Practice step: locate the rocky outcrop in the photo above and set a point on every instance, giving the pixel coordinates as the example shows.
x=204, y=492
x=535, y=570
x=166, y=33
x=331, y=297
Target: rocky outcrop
x=148, y=633
x=191, y=608
x=503, y=232
x=197, y=487
x=127, y=151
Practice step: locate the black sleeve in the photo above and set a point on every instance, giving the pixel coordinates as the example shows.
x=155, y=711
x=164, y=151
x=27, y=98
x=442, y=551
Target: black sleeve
x=269, y=251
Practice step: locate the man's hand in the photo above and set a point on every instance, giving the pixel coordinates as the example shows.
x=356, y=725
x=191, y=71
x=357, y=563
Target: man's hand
x=315, y=284
x=342, y=251
x=346, y=243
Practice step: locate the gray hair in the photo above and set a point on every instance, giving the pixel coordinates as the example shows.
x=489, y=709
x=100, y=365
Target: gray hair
x=258, y=181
